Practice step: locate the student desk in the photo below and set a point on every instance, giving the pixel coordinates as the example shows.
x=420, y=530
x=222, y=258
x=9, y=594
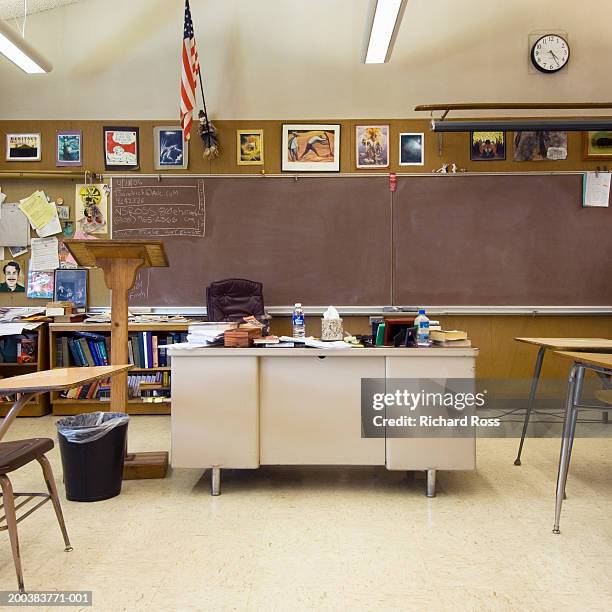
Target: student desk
x=590, y=345
x=242, y=408
x=29, y=385
x=602, y=365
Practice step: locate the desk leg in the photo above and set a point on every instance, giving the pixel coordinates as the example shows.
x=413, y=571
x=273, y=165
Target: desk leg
x=215, y=481
x=534, y=386
x=431, y=483
x=569, y=426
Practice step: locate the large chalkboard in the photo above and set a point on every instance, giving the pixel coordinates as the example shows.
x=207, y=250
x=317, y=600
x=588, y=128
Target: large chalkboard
x=438, y=240
x=315, y=240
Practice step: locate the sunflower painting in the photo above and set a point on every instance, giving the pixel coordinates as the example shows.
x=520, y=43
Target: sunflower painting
x=249, y=148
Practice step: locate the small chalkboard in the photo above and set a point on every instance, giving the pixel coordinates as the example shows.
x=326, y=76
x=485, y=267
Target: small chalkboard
x=145, y=207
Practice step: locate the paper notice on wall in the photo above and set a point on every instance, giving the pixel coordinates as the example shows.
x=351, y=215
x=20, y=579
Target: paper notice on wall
x=38, y=210
x=14, y=226
x=2, y=198
x=53, y=227
x=44, y=254
x=596, y=189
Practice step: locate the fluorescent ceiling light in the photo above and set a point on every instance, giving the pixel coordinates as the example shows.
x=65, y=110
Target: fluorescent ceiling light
x=15, y=48
x=387, y=18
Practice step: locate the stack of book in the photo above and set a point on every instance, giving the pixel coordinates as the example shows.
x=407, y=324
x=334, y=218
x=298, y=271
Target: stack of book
x=94, y=390
x=452, y=338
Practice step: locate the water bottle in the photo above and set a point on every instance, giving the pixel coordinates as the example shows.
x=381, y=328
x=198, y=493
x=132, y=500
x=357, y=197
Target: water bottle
x=422, y=324
x=297, y=322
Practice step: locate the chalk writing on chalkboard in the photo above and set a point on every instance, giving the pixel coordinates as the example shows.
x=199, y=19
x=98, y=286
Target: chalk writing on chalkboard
x=140, y=290
x=147, y=207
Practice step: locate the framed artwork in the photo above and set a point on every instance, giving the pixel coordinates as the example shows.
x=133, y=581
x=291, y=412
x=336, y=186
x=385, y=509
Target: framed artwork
x=67, y=228
x=310, y=148
x=171, y=150
x=540, y=146
x=40, y=285
x=12, y=277
x=372, y=146
x=411, y=149
x=597, y=145
x=487, y=146
x=249, y=147
x=68, y=148
x=23, y=147
x=71, y=286
x=121, y=148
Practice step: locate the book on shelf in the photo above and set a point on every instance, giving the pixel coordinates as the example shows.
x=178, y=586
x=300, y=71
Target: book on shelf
x=26, y=350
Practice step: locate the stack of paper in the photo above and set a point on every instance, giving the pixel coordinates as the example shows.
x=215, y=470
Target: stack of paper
x=311, y=342
x=207, y=334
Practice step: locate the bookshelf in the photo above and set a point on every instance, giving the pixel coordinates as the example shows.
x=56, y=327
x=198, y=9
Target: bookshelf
x=149, y=380
x=39, y=404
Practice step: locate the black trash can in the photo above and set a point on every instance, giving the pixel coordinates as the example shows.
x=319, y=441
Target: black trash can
x=92, y=446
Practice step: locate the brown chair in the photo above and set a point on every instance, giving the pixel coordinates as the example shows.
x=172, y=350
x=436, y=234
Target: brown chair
x=14, y=455
x=234, y=298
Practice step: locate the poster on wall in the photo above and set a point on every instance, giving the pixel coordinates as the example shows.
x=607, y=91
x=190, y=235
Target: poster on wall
x=540, y=146
x=171, y=150
x=310, y=148
x=23, y=147
x=68, y=148
x=372, y=146
x=121, y=148
x=487, y=146
x=91, y=208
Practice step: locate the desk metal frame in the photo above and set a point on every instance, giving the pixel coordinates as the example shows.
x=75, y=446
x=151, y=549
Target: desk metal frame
x=573, y=405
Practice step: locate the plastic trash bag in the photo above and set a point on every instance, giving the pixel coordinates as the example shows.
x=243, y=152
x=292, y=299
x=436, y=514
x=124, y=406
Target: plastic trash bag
x=83, y=428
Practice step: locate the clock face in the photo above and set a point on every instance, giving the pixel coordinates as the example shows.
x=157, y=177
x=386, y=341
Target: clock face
x=550, y=53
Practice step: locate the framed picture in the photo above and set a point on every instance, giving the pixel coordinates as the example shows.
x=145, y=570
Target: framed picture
x=67, y=228
x=40, y=285
x=12, y=277
x=23, y=147
x=372, y=146
x=597, y=145
x=487, y=146
x=71, y=286
x=171, y=150
x=68, y=148
x=249, y=147
x=121, y=148
x=310, y=148
x=540, y=146
x=411, y=149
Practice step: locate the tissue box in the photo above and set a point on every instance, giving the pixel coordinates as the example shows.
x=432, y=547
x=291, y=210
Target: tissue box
x=331, y=329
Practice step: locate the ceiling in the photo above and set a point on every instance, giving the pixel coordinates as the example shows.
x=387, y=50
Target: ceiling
x=9, y=9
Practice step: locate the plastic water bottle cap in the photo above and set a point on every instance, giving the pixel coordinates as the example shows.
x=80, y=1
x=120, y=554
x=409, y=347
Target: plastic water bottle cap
x=421, y=311
x=298, y=305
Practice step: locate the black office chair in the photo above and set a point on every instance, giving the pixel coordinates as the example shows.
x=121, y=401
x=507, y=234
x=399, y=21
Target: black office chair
x=234, y=298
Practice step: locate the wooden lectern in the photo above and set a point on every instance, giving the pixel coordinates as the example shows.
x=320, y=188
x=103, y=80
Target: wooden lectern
x=120, y=260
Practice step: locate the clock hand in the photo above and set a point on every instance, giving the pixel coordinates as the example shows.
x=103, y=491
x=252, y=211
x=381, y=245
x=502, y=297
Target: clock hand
x=554, y=57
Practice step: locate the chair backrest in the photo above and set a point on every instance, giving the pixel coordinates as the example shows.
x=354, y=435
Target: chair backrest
x=234, y=298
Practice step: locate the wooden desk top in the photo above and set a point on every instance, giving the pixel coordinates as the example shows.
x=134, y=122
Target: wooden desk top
x=603, y=360
x=58, y=379
x=563, y=344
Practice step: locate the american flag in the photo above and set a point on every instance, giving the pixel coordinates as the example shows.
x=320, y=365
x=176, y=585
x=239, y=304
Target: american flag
x=189, y=72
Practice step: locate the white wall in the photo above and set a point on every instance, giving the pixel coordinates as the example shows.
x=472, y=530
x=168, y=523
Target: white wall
x=301, y=59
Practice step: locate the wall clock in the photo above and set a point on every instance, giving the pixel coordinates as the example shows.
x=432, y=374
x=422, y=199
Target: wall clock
x=550, y=53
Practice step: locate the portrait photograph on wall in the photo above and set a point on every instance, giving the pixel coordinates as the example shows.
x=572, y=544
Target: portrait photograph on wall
x=171, y=150
x=487, y=146
x=120, y=148
x=71, y=286
x=411, y=149
x=23, y=147
x=68, y=148
x=372, y=146
x=249, y=148
x=13, y=277
x=310, y=148
x=540, y=146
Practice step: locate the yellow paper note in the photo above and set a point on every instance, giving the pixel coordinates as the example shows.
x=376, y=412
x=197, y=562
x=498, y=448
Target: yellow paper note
x=38, y=210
